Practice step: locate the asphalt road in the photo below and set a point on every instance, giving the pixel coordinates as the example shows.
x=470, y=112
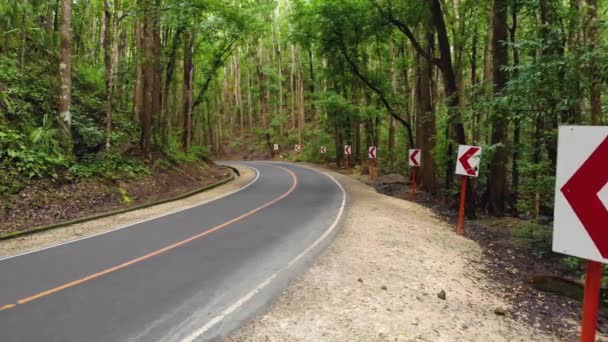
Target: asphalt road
x=192, y=275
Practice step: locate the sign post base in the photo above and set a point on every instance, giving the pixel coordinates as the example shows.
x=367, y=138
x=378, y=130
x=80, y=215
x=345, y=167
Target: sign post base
x=463, y=200
x=413, y=184
x=372, y=170
x=591, y=300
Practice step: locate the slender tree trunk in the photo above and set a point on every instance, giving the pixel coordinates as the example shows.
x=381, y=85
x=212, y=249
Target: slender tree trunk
x=261, y=80
x=157, y=103
x=187, y=98
x=249, y=101
x=139, y=57
x=238, y=95
x=65, y=78
x=596, y=73
x=165, y=116
x=107, y=47
x=517, y=123
x=312, y=80
x=292, y=82
x=23, y=38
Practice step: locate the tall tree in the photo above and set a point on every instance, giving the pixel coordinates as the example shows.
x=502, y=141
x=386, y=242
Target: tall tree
x=187, y=98
x=497, y=178
x=596, y=70
x=108, y=61
x=65, y=78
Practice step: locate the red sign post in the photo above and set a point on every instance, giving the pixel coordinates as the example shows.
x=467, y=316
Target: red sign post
x=467, y=166
x=372, y=166
x=414, y=161
x=581, y=210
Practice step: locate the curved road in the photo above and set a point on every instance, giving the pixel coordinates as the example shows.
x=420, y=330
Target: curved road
x=188, y=276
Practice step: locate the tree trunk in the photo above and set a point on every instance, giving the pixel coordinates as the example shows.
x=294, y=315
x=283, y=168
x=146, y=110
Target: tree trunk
x=261, y=86
x=238, y=94
x=292, y=83
x=157, y=97
x=517, y=123
x=150, y=82
x=426, y=119
x=312, y=80
x=302, y=118
x=108, y=61
x=65, y=78
x=187, y=98
x=23, y=39
x=249, y=101
x=169, y=72
x=453, y=102
x=497, y=178
x=596, y=73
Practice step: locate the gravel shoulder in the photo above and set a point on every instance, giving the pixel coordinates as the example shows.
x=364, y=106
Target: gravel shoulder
x=81, y=230
x=382, y=279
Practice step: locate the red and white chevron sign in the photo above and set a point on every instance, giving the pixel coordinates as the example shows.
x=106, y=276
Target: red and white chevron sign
x=323, y=150
x=581, y=196
x=372, y=152
x=347, y=150
x=468, y=160
x=414, y=157
x=297, y=148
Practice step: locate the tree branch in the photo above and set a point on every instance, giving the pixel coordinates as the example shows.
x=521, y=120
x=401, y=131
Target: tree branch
x=375, y=88
x=219, y=60
x=401, y=26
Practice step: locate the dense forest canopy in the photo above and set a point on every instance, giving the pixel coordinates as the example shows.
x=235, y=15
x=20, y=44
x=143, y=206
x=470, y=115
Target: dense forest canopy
x=89, y=88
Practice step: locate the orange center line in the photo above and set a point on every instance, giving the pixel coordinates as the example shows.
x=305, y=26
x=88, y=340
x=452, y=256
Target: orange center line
x=157, y=252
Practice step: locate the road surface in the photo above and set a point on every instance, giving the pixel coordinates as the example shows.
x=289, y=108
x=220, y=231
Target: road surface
x=188, y=276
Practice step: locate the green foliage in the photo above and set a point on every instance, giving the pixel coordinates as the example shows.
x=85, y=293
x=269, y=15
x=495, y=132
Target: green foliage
x=538, y=181
x=174, y=152
x=108, y=165
x=314, y=139
x=21, y=158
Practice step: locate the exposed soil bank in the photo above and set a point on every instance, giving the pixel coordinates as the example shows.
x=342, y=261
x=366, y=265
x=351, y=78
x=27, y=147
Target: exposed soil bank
x=43, y=239
x=46, y=202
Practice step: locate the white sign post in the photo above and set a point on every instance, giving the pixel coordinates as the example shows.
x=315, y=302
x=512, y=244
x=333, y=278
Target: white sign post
x=467, y=165
x=469, y=158
x=414, y=158
x=372, y=167
x=581, y=209
x=372, y=152
x=347, y=150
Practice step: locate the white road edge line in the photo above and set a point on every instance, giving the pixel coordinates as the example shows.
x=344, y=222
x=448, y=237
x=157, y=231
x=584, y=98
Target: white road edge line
x=138, y=222
x=232, y=308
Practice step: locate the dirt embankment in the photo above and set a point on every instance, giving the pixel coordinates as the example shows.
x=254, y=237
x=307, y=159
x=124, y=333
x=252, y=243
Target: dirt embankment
x=47, y=202
x=396, y=272
x=80, y=230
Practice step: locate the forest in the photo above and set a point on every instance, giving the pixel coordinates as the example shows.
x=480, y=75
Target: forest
x=108, y=87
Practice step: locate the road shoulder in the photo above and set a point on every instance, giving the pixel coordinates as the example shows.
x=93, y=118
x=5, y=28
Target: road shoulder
x=48, y=238
x=382, y=279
